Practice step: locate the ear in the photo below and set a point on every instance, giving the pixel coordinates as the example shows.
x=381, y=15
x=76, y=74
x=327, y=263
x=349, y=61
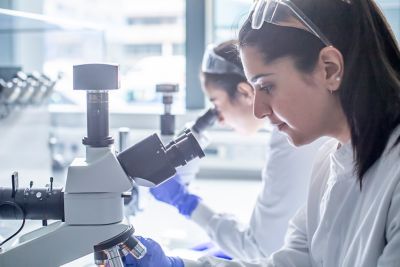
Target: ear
x=333, y=64
x=246, y=92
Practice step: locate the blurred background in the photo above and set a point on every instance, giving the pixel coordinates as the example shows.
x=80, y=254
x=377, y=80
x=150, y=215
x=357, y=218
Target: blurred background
x=154, y=42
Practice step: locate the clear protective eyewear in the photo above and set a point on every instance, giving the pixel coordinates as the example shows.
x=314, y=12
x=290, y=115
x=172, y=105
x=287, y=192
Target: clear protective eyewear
x=283, y=13
x=213, y=63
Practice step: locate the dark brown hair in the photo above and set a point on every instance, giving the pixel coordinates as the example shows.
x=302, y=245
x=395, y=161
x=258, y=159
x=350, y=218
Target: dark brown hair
x=370, y=89
x=227, y=82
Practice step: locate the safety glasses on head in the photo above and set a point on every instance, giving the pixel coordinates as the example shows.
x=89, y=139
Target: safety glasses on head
x=213, y=63
x=283, y=13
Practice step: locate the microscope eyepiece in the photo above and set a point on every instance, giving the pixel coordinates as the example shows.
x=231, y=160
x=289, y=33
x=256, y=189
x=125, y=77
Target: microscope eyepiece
x=205, y=121
x=183, y=149
x=152, y=161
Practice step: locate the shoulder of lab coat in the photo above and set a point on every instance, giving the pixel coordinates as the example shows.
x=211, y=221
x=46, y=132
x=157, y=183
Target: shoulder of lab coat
x=370, y=238
x=295, y=251
x=284, y=190
x=391, y=255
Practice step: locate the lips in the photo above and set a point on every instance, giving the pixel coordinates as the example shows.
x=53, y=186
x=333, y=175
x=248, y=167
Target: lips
x=279, y=125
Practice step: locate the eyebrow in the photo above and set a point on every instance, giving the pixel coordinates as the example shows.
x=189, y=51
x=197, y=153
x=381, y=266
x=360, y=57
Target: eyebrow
x=255, y=78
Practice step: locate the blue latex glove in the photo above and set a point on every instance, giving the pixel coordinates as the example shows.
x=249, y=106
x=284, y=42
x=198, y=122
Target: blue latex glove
x=154, y=257
x=221, y=254
x=209, y=248
x=175, y=193
x=203, y=246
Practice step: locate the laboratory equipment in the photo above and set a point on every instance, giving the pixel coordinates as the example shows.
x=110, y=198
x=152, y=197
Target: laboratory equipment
x=27, y=89
x=19, y=90
x=174, y=191
x=44, y=204
x=11, y=90
x=201, y=125
x=90, y=208
x=131, y=202
x=167, y=119
x=199, y=130
x=205, y=121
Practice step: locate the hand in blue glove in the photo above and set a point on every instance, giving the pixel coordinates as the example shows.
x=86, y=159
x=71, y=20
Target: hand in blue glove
x=154, y=257
x=175, y=193
x=221, y=254
x=211, y=249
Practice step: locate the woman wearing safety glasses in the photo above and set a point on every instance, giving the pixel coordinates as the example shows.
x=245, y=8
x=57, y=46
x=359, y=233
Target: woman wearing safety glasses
x=330, y=68
x=285, y=176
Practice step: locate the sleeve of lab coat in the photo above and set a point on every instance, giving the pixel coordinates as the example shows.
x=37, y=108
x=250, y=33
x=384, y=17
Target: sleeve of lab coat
x=284, y=191
x=391, y=256
x=210, y=261
x=294, y=253
x=232, y=237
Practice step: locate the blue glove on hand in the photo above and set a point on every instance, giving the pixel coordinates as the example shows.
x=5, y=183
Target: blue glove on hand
x=154, y=257
x=175, y=193
x=211, y=249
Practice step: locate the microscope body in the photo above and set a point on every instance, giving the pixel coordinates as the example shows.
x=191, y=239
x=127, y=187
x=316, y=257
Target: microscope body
x=93, y=213
x=92, y=202
x=92, y=183
x=167, y=119
x=93, y=206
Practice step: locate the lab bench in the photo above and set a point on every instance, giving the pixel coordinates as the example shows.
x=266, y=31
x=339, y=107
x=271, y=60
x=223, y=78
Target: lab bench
x=165, y=225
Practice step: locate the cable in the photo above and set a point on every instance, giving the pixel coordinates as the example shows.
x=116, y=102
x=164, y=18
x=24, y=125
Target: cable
x=23, y=219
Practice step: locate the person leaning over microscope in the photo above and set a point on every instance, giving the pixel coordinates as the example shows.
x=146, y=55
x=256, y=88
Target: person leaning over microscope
x=327, y=68
x=284, y=177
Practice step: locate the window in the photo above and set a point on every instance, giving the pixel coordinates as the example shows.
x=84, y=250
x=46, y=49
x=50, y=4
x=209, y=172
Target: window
x=391, y=9
x=229, y=14
x=227, y=17
x=145, y=37
x=140, y=50
x=178, y=49
x=151, y=20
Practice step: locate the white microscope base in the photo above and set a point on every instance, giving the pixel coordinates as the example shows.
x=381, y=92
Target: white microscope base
x=57, y=244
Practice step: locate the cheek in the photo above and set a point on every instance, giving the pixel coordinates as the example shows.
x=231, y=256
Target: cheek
x=222, y=108
x=303, y=112
x=286, y=107
x=293, y=107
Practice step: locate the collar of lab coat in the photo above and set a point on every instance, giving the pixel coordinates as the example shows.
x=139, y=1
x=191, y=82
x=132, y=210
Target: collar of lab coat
x=342, y=162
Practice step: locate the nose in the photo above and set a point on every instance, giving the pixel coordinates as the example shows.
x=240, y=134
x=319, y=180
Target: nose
x=261, y=107
x=221, y=118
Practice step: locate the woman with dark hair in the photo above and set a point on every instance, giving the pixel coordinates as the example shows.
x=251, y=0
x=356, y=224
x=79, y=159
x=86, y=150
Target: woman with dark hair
x=285, y=176
x=330, y=68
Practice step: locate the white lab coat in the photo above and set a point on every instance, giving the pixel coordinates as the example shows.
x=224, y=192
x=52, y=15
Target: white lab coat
x=284, y=190
x=341, y=225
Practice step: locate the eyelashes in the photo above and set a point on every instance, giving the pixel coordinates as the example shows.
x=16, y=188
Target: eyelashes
x=268, y=88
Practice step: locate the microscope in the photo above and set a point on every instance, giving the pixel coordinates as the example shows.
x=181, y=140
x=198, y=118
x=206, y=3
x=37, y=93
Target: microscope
x=197, y=128
x=167, y=119
x=89, y=210
x=19, y=90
